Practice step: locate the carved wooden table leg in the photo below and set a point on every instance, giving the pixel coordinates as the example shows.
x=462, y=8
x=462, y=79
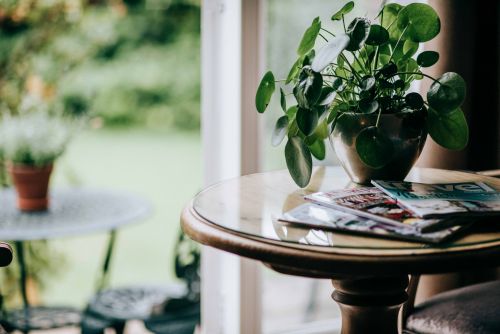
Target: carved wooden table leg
x=370, y=305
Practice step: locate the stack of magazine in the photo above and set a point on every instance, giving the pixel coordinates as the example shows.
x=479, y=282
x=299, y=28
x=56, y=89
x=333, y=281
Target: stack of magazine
x=421, y=212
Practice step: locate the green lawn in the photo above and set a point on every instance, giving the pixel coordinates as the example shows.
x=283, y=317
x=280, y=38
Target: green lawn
x=164, y=166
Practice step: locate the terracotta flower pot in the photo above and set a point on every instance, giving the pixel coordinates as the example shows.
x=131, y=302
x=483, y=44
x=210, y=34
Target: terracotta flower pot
x=32, y=185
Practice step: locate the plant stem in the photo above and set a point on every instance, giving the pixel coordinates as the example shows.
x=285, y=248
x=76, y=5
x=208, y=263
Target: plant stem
x=417, y=73
x=375, y=64
x=328, y=31
x=378, y=117
x=343, y=23
x=349, y=64
x=397, y=43
x=324, y=38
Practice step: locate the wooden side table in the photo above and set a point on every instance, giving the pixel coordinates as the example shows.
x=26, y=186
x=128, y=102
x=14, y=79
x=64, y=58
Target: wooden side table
x=370, y=275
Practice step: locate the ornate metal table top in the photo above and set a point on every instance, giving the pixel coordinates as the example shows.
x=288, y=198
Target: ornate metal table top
x=73, y=211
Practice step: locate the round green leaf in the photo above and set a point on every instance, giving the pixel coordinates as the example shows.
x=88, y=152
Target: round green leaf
x=449, y=130
x=368, y=106
x=298, y=161
x=427, y=58
x=420, y=21
x=318, y=149
x=378, y=35
x=336, y=83
x=309, y=38
x=308, y=90
x=279, y=131
x=389, y=70
x=327, y=96
x=414, y=100
x=307, y=120
x=448, y=94
x=295, y=70
x=409, y=48
x=367, y=83
x=282, y=99
x=291, y=112
x=374, y=148
x=264, y=92
x=329, y=52
x=343, y=11
x=390, y=14
x=357, y=31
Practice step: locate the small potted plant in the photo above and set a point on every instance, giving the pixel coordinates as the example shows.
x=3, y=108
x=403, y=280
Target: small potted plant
x=30, y=142
x=355, y=91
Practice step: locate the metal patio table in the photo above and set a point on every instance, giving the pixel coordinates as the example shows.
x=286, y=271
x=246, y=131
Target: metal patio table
x=73, y=212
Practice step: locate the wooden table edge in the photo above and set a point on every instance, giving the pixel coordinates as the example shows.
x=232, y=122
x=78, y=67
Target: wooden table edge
x=299, y=260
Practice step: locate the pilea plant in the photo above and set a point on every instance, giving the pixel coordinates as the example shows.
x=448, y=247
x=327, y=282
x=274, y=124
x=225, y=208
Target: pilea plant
x=367, y=69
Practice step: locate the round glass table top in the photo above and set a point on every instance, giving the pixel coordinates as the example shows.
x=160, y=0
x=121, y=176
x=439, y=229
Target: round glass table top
x=73, y=211
x=249, y=205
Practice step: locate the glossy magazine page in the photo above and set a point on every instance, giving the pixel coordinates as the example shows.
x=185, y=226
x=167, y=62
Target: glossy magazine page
x=319, y=217
x=372, y=203
x=435, y=200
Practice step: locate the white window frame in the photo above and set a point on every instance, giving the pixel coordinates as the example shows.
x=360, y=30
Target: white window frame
x=231, y=65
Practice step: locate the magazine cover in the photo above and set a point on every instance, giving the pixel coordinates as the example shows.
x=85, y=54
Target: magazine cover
x=434, y=200
x=316, y=216
x=372, y=203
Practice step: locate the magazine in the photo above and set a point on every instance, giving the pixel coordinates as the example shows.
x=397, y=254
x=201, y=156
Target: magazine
x=320, y=217
x=435, y=200
x=372, y=203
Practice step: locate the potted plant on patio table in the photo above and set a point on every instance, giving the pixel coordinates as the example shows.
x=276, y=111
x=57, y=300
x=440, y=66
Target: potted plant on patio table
x=30, y=142
x=355, y=91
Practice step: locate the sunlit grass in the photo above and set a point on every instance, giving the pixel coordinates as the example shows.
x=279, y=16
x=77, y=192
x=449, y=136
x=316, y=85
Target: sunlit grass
x=163, y=166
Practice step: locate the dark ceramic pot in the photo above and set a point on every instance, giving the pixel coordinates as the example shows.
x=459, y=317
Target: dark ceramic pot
x=406, y=131
x=32, y=185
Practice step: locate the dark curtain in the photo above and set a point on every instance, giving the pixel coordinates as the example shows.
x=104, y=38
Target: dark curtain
x=468, y=44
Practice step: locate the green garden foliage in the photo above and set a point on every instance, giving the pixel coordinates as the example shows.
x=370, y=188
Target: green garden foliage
x=125, y=63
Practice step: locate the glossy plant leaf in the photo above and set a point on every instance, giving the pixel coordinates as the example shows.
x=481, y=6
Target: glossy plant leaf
x=329, y=52
x=420, y=21
x=427, y=58
x=346, y=9
x=309, y=38
x=307, y=120
x=374, y=148
x=265, y=92
x=295, y=70
x=298, y=161
x=291, y=112
x=368, y=106
x=388, y=19
x=327, y=96
x=409, y=48
x=367, y=83
x=389, y=70
x=378, y=35
x=449, y=130
x=318, y=149
x=308, y=91
x=448, y=94
x=414, y=100
x=282, y=100
x=358, y=32
x=279, y=131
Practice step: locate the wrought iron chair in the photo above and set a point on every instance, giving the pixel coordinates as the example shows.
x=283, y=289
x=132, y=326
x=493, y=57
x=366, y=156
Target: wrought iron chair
x=471, y=309
x=5, y=260
x=169, y=309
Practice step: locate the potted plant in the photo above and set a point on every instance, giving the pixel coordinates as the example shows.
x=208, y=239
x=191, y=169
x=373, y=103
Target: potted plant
x=355, y=91
x=30, y=142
